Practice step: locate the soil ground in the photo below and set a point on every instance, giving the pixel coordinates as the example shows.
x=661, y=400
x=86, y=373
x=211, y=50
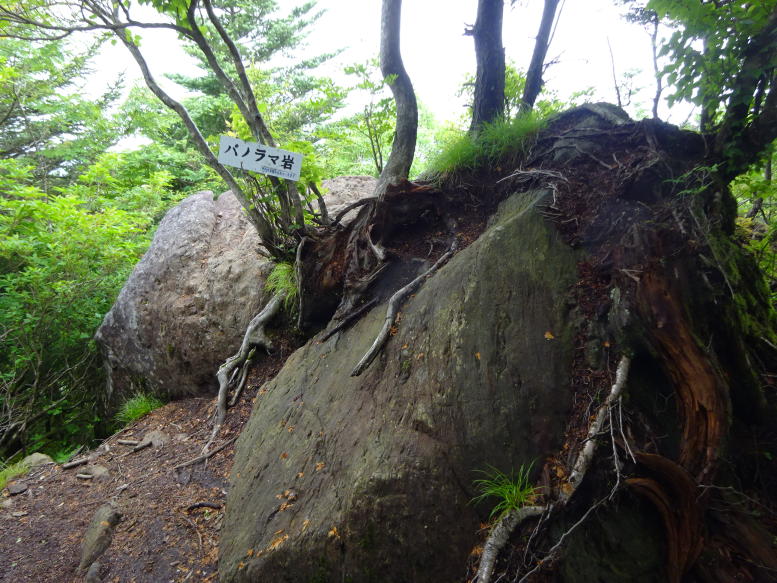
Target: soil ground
x=162, y=537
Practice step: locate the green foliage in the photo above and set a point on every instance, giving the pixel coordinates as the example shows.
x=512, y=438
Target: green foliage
x=44, y=120
x=61, y=266
x=12, y=471
x=759, y=232
x=136, y=407
x=706, y=50
x=515, y=83
x=490, y=146
x=512, y=491
x=283, y=280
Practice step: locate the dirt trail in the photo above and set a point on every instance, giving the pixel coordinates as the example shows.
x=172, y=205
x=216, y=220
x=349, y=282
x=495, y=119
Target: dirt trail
x=169, y=530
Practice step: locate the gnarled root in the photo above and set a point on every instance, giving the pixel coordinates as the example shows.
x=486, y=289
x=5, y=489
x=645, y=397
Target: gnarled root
x=501, y=531
x=499, y=535
x=255, y=336
x=393, y=308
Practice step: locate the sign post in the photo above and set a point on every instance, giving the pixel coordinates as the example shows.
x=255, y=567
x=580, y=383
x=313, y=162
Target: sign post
x=260, y=158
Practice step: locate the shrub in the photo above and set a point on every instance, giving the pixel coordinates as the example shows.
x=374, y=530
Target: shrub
x=283, y=280
x=12, y=471
x=512, y=490
x=136, y=407
x=494, y=142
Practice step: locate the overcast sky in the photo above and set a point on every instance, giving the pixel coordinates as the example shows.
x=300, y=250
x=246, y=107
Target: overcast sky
x=438, y=56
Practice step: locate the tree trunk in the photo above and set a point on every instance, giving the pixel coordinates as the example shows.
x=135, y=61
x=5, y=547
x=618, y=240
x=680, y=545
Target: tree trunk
x=489, y=100
x=534, y=74
x=403, y=149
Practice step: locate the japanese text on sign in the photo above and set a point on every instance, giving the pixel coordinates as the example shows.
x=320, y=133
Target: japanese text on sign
x=260, y=158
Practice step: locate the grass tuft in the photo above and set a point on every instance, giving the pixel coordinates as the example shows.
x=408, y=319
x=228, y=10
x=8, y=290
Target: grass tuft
x=494, y=142
x=136, y=407
x=512, y=490
x=12, y=471
x=283, y=280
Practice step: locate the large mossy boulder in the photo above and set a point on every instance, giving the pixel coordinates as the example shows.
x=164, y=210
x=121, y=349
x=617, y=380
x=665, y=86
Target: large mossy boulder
x=370, y=478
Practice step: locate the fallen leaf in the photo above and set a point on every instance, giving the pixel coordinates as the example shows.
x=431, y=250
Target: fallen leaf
x=290, y=429
x=300, y=474
x=278, y=542
x=477, y=355
x=284, y=455
x=549, y=335
x=250, y=552
x=320, y=466
x=606, y=344
x=333, y=533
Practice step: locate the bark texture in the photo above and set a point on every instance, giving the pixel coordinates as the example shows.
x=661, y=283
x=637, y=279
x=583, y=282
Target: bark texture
x=537, y=66
x=393, y=69
x=489, y=99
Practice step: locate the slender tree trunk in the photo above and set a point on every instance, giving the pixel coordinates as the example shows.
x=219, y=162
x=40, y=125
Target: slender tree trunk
x=489, y=100
x=656, y=70
x=614, y=75
x=534, y=74
x=403, y=149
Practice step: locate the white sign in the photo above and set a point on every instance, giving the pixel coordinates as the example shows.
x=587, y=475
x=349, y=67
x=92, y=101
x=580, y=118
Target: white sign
x=260, y=158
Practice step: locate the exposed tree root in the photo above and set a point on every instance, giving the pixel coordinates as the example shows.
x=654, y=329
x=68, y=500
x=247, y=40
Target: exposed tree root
x=393, y=308
x=499, y=535
x=501, y=531
x=255, y=336
x=207, y=455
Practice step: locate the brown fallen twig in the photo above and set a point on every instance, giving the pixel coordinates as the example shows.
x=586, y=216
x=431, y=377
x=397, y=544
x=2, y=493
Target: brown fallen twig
x=197, y=505
x=205, y=456
x=75, y=463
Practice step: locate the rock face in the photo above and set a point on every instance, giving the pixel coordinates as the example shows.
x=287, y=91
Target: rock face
x=344, y=190
x=370, y=478
x=186, y=306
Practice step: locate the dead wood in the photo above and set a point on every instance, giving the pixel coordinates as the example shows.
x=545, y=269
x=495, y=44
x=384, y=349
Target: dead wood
x=197, y=505
x=75, y=463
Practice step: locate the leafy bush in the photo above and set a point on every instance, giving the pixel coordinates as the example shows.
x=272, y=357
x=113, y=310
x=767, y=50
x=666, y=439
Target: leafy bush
x=136, y=407
x=61, y=266
x=493, y=143
x=512, y=490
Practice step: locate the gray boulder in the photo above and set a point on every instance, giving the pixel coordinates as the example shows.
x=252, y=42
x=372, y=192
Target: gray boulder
x=186, y=305
x=37, y=459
